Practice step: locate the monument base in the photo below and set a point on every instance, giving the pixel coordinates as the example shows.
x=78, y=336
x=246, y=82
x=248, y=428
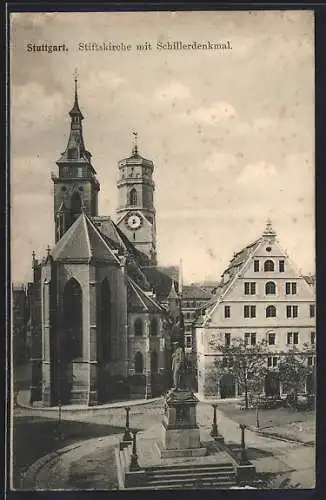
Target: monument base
x=180, y=432
x=179, y=453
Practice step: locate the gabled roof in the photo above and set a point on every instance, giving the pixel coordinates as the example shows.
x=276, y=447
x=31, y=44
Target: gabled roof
x=236, y=267
x=83, y=241
x=140, y=301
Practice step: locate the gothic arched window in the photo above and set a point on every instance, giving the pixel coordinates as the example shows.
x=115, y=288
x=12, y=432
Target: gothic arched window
x=133, y=197
x=268, y=265
x=270, y=312
x=105, y=321
x=72, y=340
x=75, y=205
x=270, y=288
x=138, y=327
x=139, y=363
x=154, y=362
x=154, y=327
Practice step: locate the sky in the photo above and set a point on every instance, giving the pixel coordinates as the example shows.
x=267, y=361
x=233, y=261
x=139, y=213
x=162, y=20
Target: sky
x=230, y=132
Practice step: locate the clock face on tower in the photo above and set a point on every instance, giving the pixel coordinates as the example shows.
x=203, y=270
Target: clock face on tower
x=134, y=221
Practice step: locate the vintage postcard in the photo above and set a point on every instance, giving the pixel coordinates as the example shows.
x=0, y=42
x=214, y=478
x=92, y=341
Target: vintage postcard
x=162, y=250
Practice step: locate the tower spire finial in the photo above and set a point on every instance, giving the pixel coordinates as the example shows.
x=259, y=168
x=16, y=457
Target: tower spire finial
x=269, y=231
x=76, y=82
x=135, y=143
x=75, y=109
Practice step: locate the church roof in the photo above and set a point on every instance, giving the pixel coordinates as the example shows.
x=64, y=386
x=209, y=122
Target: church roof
x=160, y=280
x=83, y=241
x=141, y=302
x=115, y=237
x=196, y=292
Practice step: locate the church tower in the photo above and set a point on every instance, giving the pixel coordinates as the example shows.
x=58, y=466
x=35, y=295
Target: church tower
x=76, y=187
x=136, y=212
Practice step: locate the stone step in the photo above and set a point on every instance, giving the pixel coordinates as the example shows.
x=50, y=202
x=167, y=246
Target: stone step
x=185, y=476
x=191, y=467
x=190, y=480
x=190, y=486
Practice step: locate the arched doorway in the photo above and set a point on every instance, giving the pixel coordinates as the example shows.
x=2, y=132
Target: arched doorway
x=272, y=384
x=70, y=338
x=227, y=386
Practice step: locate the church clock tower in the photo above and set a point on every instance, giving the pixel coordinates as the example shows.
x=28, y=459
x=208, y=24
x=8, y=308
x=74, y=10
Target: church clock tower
x=76, y=187
x=136, y=212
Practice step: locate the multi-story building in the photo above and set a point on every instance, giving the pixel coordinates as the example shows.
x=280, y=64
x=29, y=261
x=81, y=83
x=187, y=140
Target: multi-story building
x=193, y=298
x=261, y=296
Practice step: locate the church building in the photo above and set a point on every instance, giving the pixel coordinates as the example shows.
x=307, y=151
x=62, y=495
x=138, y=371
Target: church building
x=101, y=320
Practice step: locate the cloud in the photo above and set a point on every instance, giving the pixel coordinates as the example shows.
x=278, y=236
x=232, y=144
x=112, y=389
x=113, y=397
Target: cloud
x=173, y=91
x=102, y=81
x=217, y=162
x=258, y=174
x=210, y=115
x=23, y=99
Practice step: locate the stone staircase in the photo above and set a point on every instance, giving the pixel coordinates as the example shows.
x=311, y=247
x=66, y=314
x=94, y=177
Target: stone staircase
x=190, y=476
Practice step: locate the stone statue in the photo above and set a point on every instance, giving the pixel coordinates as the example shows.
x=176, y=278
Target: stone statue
x=178, y=366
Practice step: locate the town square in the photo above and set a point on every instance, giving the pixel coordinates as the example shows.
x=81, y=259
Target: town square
x=164, y=289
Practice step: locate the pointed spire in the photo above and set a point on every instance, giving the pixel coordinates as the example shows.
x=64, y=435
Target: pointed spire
x=173, y=294
x=180, y=278
x=135, y=143
x=48, y=249
x=269, y=231
x=33, y=259
x=75, y=111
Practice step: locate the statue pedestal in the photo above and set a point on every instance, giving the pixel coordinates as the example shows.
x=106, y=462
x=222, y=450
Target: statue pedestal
x=180, y=432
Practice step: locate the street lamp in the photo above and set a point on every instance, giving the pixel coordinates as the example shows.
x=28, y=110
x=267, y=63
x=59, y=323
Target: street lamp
x=244, y=456
x=214, y=431
x=127, y=435
x=134, y=465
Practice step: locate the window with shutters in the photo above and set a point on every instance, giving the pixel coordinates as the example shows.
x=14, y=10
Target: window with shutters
x=250, y=288
x=249, y=311
x=291, y=311
x=290, y=288
x=227, y=311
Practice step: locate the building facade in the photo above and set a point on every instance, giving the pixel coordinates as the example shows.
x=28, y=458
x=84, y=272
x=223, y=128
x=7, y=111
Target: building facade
x=20, y=343
x=261, y=297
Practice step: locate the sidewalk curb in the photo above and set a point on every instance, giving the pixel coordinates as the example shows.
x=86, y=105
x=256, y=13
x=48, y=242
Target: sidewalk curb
x=278, y=437
x=44, y=462
x=76, y=408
